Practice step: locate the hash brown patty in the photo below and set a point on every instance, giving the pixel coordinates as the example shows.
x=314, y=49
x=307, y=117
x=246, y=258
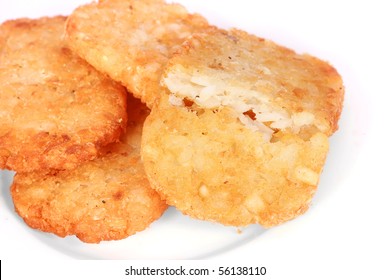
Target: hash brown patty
x=56, y=111
x=242, y=136
x=131, y=40
x=108, y=198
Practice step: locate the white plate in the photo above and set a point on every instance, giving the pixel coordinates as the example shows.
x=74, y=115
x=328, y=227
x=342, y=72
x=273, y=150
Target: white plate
x=176, y=236
x=350, y=209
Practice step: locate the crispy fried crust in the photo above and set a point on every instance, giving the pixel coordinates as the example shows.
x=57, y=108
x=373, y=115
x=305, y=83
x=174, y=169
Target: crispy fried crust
x=296, y=83
x=56, y=111
x=207, y=162
x=106, y=199
x=131, y=40
x=209, y=166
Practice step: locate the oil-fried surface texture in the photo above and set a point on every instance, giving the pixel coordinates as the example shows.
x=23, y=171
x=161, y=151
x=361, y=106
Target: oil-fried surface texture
x=106, y=199
x=204, y=159
x=219, y=64
x=131, y=40
x=211, y=167
x=56, y=111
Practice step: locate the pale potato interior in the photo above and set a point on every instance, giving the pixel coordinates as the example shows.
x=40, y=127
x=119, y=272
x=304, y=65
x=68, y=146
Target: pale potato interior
x=254, y=109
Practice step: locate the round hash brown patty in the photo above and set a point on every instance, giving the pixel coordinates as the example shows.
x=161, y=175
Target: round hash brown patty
x=211, y=167
x=131, y=40
x=242, y=135
x=108, y=198
x=56, y=111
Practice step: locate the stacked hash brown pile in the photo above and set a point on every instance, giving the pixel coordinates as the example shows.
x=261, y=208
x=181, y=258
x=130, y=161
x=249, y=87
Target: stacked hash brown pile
x=232, y=128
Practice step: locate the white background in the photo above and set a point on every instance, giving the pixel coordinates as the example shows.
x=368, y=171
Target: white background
x=345, y=234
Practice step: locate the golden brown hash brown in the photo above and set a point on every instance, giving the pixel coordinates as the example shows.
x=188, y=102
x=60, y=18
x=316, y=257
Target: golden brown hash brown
x=108, y=198
x=211, y=167
x=234, y=63
x=242, y=136
x=131, y=40
x=56, y=111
